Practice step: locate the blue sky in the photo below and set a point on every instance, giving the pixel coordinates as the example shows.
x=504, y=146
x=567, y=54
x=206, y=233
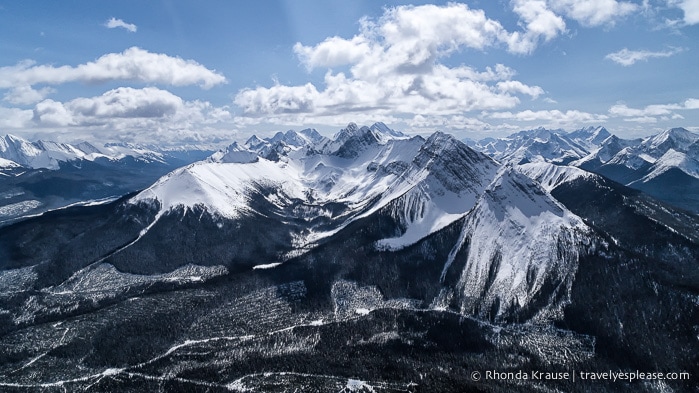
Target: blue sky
x=215, y=71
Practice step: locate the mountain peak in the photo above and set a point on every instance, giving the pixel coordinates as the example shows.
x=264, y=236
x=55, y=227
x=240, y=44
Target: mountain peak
x=312, y=134
x=234, y=153
x=347, y=132
x=592, y=134
x=353, y=140
x=675, y=138
x=253, y=142
x=385, y=130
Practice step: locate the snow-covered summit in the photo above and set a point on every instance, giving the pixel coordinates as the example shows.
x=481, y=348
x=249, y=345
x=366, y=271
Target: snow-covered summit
x=363, y=174
x=537, y=145
x=515, y=240
x=234, y=153
x=678, y=139
x=591, y=136
x=673, y=159
x=51, y=155
x=43, y=154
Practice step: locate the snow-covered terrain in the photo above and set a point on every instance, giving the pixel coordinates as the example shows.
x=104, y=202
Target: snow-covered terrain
x=50, y=154
x=363, y=169
x=372, y=261
x=516, y=240
x=655, y=164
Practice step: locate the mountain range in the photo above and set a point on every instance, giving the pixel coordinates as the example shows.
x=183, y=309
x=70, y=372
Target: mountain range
x=36, y=177
x=665, y=165
x=370, y=261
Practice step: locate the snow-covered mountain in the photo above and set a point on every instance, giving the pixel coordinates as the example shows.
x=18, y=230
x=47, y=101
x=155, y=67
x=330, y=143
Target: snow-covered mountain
x=590, y=137
x=541, y=145
x=511, y=227
x=357, y=173
x=663, y=165
x=39, y=176
x=43, y=154
x=311, y=262
x=516, y=241
x=51, y=155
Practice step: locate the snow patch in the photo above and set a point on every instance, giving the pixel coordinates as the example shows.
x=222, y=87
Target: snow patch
x=266, y=266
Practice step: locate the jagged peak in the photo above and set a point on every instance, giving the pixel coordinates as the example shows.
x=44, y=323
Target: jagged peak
x=384, y=129
x=12, y=137
x=234, y=153
x=440, y=142
x=676, y=138
x=253, y=140
x=592, y=134
x=535, y=132
x=347, y=132
x=312, y=134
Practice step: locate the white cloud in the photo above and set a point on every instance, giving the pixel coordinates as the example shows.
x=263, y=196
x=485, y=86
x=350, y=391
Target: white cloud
x=628, y=57
x=538, y=22
x=126, y=109
x=127, y=102
x=651, y=113
x=594, y=12
x=334, y=51
x=113, y=23
x=52, y=113
x=26, y=95
x=395, y=68
x=643, y=119
x=15, y=118
x=518, y=87
x=134, y=64
x=557, y=117
x=278, y=99
x=456, y=122
x=690, y=8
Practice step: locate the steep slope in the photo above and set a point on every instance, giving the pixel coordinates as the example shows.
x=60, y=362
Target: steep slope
x=606, y=150
x=673, y=178
x=448, y=178
x=662, y=166
x=550, y=176
x=678, y=139
x=540, y=145
x=590, y=137
x=40, y=176
x=395, y=265
x=517, y=253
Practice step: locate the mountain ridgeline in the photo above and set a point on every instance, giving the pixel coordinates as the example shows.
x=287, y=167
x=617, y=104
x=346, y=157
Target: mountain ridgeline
x=372, y=261
x=36, y=177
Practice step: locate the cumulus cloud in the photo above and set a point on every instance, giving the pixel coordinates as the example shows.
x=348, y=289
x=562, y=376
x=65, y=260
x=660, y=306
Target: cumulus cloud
x=15, y=118
x=127, y=108
x=26, y=95
x=628, y=57
x=134, y=64
x=539, y=22
x=113, y=23
x=543, y=20
x=594, y=12
x=653, y=111
x=394, y=66
x=334, y=51
x=690, y=8
x=556, y=117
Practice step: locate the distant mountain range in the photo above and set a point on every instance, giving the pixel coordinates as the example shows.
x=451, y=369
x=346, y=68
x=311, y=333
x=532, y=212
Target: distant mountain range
x=370, y=261
x=39, y=176
x=665, y=165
